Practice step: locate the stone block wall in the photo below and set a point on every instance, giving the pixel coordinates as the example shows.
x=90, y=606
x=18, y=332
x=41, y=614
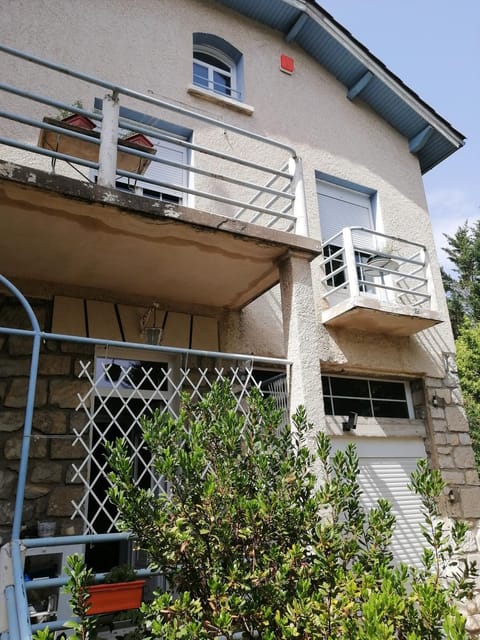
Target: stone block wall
x=449, y=447
x=49, y=488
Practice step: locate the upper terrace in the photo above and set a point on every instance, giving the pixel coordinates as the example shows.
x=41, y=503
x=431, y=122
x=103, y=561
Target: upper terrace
x=189, y=209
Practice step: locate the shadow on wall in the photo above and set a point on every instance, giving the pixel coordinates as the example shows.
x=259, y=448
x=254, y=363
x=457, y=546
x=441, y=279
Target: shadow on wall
x=374, y=352
x=261, y=326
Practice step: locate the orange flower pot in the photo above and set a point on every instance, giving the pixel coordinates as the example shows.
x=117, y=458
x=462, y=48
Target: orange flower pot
x=118, y=596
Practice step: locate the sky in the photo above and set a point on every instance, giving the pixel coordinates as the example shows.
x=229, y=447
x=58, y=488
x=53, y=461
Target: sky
x=434, y=47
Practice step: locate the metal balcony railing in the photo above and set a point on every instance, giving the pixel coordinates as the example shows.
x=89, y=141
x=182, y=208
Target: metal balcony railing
x=235, y=173
x=361, y=262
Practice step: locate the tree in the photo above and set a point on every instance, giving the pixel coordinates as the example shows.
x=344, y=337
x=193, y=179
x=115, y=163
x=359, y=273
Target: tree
x=250, y=543
x=468, y=362
x=463, y=297
x=463, y=288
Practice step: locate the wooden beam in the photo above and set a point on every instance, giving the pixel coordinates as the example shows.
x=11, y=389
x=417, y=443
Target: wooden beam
x=298, y=25
x=360, y=85
x=418, y=141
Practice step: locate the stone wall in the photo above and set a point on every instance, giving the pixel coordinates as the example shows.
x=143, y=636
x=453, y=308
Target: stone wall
x=49, y=487
x=449, y=447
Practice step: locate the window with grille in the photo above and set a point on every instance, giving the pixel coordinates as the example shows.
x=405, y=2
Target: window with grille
x=367, y=397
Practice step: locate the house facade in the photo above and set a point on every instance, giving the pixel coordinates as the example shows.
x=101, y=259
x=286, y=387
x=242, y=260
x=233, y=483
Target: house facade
x=205, y=190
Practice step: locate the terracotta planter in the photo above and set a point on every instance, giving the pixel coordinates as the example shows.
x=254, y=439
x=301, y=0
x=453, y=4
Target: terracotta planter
x=140, y=140
x=79, y=121
x=118, y=596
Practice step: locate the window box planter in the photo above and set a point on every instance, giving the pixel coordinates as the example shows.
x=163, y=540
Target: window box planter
x=140, y=140
x=79, y=121
x=86, y=150
x=118, y=596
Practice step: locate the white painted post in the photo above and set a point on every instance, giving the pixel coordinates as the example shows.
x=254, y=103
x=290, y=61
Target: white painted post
x=427, y=274
x=350, y=263
x=298, y=189
x=108, y=141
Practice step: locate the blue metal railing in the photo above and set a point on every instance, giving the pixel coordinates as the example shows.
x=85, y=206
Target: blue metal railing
x=16, y=601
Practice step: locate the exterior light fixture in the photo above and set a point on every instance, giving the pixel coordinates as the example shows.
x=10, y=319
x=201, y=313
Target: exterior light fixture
x=152, y=334
x=351, y=423
x=438, y=402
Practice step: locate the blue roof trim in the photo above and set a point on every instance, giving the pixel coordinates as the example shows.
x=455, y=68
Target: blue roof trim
x=311, y=27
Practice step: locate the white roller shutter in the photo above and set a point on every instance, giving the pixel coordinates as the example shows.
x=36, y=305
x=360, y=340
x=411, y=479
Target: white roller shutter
x=385, y=469
x=389, y=478
x=340, y=207
x=164, y=172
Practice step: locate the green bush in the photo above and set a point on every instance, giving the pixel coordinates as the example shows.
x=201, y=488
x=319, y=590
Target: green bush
x=251, y=541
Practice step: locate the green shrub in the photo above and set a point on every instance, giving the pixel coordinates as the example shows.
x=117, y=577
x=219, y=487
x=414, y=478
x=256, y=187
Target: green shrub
x=250, y=541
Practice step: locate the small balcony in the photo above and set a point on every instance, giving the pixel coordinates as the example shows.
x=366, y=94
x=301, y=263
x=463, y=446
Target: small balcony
x=376, y=283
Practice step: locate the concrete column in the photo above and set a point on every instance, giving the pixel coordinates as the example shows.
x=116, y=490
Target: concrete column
x=301, y=337
x=108, y=141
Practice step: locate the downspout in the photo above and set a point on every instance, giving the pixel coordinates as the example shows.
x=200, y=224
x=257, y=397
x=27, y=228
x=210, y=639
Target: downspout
x=22, y=624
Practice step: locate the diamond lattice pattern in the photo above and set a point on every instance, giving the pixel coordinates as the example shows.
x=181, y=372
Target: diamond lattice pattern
x=121, y=392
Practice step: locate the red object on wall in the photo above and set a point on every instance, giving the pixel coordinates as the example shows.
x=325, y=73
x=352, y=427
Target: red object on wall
x=287, y=64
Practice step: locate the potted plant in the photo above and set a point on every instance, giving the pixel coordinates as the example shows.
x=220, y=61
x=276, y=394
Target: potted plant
x=122, y=590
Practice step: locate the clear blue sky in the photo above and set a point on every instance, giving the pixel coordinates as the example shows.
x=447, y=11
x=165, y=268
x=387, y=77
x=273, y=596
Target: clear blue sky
x=434, y=47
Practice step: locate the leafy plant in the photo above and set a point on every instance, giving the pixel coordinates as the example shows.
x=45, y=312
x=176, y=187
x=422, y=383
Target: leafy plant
x=121, y=573
x=44, y=634
x=252, y=542
x=64, y=113
x=79, y=579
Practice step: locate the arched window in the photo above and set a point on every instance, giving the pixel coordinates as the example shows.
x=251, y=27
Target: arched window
x=217, y=66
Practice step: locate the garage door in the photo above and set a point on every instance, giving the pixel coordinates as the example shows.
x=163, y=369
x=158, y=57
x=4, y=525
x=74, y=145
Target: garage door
x=385, y=469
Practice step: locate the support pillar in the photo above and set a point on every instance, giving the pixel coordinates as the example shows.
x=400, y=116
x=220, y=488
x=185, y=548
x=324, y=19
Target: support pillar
x=302, y=343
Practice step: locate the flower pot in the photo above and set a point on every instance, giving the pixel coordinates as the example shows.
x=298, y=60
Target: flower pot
x=118, y=596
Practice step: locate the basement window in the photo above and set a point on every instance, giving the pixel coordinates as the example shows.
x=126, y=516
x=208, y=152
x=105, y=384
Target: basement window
x=369, y=397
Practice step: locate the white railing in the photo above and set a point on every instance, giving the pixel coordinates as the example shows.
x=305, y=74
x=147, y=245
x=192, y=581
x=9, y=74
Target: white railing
x=361, y=262
x=259, y=183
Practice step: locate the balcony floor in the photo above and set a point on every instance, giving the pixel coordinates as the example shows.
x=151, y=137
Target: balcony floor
x=371, y=315
x=77, y=238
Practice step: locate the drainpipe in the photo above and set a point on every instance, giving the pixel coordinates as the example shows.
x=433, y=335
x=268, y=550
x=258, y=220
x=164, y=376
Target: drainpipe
x=19, y=587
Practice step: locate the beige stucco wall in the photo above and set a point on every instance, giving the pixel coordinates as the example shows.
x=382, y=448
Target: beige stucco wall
x=308, y=109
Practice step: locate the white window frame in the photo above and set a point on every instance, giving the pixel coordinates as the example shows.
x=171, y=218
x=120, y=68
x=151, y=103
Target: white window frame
x=405, y=383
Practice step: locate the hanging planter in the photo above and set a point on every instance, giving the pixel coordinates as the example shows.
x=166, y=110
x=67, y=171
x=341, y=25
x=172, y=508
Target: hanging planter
x=119, y=596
